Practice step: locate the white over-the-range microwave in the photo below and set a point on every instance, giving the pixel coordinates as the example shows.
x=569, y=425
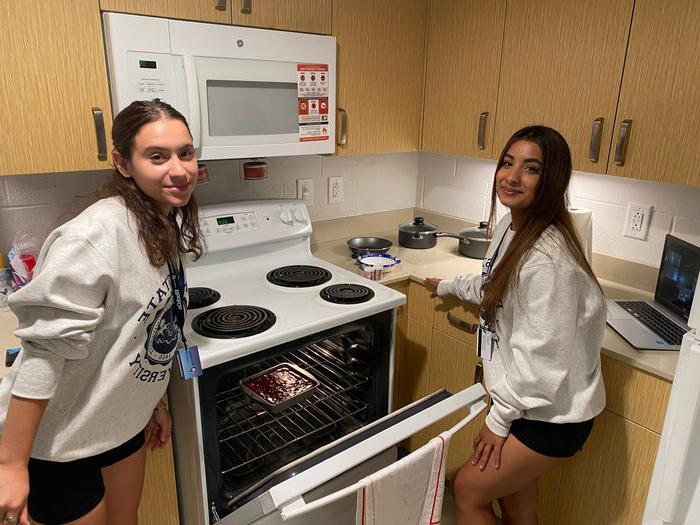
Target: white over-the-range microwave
x=245, y=92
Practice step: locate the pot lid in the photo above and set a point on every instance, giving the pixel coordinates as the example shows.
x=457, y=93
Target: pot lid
x=418, y=226
x=475, y=232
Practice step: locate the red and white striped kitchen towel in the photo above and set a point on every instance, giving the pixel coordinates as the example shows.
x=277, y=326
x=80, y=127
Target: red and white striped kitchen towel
x=408, y=492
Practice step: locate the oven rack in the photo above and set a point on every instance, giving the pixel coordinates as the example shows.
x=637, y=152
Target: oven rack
x=248, y=433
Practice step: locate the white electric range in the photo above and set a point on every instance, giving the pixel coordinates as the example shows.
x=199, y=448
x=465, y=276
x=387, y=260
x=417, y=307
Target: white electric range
x=240, y=462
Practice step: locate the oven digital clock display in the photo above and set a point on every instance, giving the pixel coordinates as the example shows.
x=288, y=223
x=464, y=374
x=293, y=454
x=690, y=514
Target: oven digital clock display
x=222, y=221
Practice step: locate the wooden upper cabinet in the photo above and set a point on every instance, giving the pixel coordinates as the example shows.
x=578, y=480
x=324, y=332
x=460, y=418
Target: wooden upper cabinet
x=381, y=51
x=53, y=76
x=660, y=94
x=461, y=78
x=306, y=16
x=199, y=10
x=562, y=65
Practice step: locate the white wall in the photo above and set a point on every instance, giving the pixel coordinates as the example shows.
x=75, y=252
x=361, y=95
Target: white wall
x=38, y=203
x=461, y=187
x=456, y=186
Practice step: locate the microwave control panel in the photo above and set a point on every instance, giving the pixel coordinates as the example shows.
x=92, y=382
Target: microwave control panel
x=229, y=224
x=151, y=76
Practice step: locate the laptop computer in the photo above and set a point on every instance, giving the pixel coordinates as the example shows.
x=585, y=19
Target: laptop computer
x=660, y=324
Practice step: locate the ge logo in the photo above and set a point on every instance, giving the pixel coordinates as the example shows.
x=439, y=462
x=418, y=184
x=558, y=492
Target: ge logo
x=193, y=369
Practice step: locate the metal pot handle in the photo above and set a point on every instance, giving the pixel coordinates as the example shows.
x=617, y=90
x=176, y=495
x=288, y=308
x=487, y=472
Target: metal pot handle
x=453, y=236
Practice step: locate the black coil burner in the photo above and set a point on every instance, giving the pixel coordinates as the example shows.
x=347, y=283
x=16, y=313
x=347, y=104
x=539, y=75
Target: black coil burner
x=230, y=322
x=201, y=297
x=346, y=293
x=298, y=276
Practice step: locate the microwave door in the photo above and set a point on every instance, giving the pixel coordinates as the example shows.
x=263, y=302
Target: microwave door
x=289, y=494
x=243, y=108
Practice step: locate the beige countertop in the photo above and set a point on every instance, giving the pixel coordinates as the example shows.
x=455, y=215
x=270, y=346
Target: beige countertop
x=444, y=261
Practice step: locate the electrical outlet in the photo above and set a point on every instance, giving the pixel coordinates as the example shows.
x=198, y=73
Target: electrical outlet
x=335, y=190
x=305, y=191
x=637, y=220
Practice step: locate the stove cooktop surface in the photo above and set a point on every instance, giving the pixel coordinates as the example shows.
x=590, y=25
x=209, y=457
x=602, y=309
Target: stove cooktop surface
x=298, y=312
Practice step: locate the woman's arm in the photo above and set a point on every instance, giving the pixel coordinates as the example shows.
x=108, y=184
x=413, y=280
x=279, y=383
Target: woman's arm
x=21, y=424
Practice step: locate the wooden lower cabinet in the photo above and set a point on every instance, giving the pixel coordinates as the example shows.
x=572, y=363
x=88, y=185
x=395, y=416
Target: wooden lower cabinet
x=608, y=480
x=159, y=499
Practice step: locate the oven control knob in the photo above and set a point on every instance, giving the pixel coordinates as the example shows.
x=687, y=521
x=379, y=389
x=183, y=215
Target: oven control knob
x=286, y=217
x=300, y=217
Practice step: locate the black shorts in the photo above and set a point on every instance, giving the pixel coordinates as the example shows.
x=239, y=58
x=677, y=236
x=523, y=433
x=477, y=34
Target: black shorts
x=63, y=492
x=558, y=440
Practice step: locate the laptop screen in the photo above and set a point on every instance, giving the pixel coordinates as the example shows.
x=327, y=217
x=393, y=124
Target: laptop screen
x=678, y=275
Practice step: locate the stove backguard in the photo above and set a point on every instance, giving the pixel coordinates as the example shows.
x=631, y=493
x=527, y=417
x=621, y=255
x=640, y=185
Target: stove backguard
x=246, y=447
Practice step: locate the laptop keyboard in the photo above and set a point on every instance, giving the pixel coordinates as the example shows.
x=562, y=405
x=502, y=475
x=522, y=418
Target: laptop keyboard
x=655, y=321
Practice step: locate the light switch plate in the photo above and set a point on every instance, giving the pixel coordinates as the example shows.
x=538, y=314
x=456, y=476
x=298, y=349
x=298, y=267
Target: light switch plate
x=305, y=191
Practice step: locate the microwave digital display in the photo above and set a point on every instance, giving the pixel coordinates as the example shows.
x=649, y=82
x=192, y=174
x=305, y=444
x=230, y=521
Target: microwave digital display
x=221, y=221
x=148, y=64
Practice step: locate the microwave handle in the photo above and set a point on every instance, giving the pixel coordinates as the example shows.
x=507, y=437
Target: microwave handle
x=343, y=140
x=192, y=99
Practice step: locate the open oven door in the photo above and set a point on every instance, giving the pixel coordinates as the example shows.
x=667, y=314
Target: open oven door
x=366, y=446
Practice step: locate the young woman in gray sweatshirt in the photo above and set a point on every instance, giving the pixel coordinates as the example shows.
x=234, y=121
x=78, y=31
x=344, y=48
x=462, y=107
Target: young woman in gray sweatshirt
x=542, y=324
x=99, y=328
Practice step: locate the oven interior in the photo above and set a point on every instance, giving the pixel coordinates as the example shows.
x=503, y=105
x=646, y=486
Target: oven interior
x=248, y=448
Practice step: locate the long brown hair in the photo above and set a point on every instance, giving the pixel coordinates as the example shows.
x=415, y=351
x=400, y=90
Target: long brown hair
x=548, y=208
x=161, y=237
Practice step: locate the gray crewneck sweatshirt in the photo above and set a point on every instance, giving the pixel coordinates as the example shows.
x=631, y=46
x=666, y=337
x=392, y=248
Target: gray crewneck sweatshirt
x=98, y=332
x=546, y=366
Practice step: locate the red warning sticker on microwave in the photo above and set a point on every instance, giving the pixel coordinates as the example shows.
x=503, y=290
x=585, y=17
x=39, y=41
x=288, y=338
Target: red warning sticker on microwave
x=312, y=80
x=312, y=93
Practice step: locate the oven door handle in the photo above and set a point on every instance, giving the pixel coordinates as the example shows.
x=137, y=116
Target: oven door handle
x=291, y=491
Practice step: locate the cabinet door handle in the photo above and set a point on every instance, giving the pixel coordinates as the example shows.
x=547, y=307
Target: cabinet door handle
x=622, y=140
x=596, y=132
x=463, y=325
x=343, y=140
x=481, y=134
x=221, y=5
x=478, y=373
x=247, y=8
x=99, y=119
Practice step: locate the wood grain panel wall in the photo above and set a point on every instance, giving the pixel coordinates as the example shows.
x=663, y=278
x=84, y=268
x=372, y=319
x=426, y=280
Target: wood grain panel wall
x=462, y=68
x=201, y=10
x=660, y=93
x=307, y=16
x=562, y=66
x=53, y=63
x=381, y=51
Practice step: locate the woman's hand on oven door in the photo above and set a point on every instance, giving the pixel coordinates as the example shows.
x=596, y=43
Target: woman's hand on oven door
x=432, y=282
x=487, y=449
x=158, y=429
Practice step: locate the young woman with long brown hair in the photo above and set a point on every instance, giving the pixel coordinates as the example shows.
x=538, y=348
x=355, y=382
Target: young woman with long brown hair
x=99, y=327
x=542, y=324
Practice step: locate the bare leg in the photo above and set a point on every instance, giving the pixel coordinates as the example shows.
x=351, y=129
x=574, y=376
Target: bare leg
x=123, y=487
x=520, y=508
x=475, y=490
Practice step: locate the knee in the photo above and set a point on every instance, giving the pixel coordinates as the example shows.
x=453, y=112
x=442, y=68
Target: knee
x=468, y=492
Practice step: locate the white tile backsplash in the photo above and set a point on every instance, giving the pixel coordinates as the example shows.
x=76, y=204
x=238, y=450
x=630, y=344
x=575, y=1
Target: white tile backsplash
x=446, y=184
x=451, y=185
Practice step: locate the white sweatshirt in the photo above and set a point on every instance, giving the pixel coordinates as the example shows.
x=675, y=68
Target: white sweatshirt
x=546, y=366
x=98, y=332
